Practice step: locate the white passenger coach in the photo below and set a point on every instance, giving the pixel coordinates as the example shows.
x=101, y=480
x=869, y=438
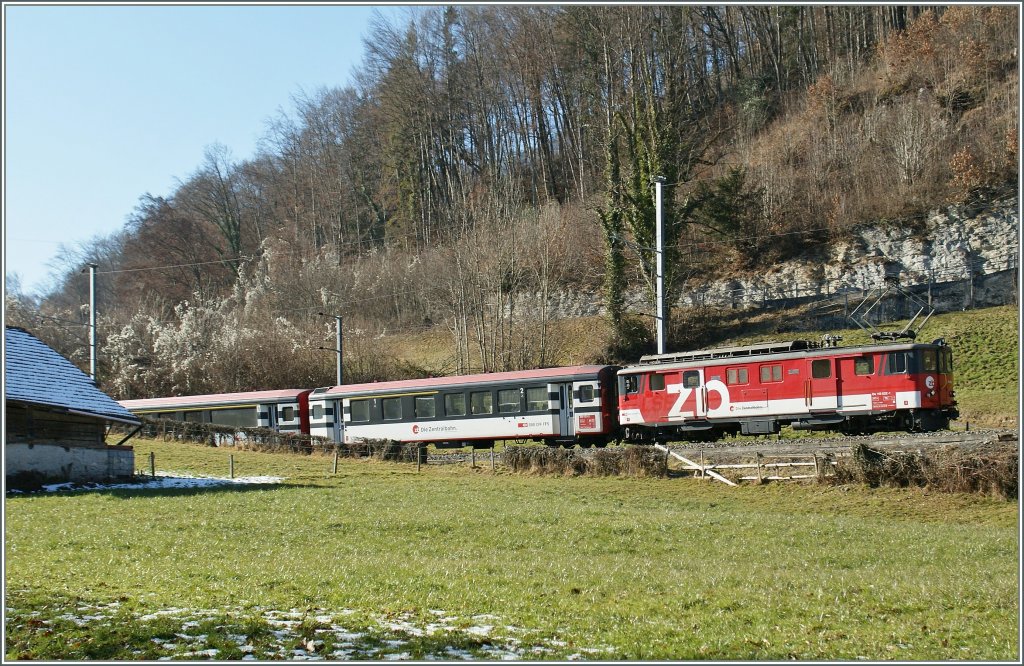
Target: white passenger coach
x=557, y=406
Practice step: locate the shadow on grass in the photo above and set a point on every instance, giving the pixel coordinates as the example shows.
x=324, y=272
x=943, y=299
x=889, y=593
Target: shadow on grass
x=141, y=490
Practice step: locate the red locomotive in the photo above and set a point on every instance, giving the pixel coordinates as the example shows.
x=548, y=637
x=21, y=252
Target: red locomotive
x=757, y=389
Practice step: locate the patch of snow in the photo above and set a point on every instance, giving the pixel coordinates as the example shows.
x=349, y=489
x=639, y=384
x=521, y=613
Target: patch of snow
x=164, y=482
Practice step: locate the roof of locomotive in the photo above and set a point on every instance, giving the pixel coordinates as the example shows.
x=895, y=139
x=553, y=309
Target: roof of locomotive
x=766, y=350
x=562, y=374
x=212, y=400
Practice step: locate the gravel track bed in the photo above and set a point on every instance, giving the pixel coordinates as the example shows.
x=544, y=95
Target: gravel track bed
x=771, y=445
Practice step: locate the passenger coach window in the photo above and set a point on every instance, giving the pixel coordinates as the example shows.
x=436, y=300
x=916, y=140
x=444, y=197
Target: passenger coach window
x=865, y=365
x=736, y=376
x=928, y=360
x=508, y=401
x=455, y=404
x=287, y=414
x=657, y=382
x=821, y=369
x=425, y=407
x=360, y=410
x=771, y=373
x=691, y=379
x=317, y=411
x=537, y=399
x=392, y=408
x=586, y=393
x=480, y=403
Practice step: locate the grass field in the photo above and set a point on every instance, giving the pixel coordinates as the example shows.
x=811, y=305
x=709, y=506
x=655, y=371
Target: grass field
x=381, y=562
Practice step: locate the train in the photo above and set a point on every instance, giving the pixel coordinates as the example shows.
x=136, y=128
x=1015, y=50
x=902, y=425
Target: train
x=685, y=396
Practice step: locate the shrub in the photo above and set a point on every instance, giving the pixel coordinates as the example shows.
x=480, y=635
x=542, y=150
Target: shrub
x=988, y=469
x=624, y=461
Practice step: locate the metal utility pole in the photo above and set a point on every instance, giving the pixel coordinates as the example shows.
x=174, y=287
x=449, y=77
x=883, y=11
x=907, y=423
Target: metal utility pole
x=92, y=321
x=659, y=251
x=337, y=349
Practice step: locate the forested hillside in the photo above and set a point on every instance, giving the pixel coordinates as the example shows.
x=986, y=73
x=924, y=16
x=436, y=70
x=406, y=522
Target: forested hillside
x=487, y=155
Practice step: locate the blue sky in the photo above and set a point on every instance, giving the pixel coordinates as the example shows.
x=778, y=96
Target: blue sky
x=103, y=104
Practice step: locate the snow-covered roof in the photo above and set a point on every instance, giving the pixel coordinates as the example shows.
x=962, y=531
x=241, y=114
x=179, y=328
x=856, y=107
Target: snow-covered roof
x=36, y=374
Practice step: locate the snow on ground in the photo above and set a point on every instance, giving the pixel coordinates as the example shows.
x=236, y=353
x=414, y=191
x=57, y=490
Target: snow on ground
x=160, y=482
x=301, y=635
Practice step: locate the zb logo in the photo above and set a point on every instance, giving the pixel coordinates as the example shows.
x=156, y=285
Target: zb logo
x=710, y=400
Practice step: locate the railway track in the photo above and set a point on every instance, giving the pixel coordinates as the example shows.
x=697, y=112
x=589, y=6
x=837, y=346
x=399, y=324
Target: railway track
x=771, y=445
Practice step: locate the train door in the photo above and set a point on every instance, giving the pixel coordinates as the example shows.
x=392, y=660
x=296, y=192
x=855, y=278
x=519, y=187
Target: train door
x=566, y=425
x=268, y=416
x=853, y=382
x=821, y=388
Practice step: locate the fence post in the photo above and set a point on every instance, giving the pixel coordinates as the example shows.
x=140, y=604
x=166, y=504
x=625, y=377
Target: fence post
x=152, y=464
x=472, y=456
x=335, y=458
x=492, y=457
x=703, y=472
x=231, y=465
x=418, y=457
x=817, y=472
x=757, y=458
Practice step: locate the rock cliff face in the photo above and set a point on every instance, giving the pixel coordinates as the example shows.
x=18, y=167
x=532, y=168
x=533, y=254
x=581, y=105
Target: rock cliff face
x=972, y=248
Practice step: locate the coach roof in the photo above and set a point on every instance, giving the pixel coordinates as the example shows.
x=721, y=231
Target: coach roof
x=553, y=374
x=212, y=400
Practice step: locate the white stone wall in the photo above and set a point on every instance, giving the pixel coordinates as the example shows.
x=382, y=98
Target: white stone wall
x=939, y=251
x=70, y=463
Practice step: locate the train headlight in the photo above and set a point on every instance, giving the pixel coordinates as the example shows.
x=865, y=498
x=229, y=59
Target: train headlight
x=931, y=394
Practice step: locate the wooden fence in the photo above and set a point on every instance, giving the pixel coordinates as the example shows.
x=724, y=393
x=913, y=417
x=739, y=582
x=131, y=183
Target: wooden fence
x=767, y=467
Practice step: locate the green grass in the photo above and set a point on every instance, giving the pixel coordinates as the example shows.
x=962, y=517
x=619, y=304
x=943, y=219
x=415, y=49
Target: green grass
x=598, y=567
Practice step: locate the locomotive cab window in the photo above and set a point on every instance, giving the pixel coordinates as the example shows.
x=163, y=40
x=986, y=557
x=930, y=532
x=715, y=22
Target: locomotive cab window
x=821, y=368
x=360, y=410
x=586, y=393
x=508, y=401
x=771, y=373
x=657, y=382
x=929, y=360
x=481, y=403
x=392, y=409
x=424, y=407
x=865, y=365
x=945, y=361
x=455, y=404
x=631, y=384
x=691, y=378
x=899, y=363
x=537, y=399
x=736, y=376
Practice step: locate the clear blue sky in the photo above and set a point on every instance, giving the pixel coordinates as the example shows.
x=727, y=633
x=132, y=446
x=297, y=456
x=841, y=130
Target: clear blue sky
x=103, y=104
